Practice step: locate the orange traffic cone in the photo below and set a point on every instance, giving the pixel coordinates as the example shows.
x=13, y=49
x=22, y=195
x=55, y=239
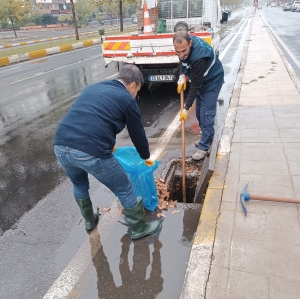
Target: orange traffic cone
x=147, y=22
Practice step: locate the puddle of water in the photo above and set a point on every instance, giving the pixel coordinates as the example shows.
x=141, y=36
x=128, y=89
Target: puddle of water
x=152, y=267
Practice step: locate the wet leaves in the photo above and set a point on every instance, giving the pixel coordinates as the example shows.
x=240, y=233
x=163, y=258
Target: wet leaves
x=106, y=209
x=159, y=215
x=164, y=203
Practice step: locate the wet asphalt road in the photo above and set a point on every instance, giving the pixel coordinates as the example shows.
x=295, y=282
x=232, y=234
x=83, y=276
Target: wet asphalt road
x=285, y=24
x=7, y=37
x=37, y=249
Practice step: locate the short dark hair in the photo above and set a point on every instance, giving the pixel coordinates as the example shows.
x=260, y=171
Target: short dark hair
x=180, y=36
x=130, y=73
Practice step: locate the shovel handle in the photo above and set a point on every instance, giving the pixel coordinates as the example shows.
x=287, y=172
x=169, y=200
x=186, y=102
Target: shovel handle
x=273, y=198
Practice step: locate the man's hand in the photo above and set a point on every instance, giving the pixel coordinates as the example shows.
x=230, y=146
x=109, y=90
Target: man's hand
x=181, y=83
x=114, y=149
x=149, y=162
x=183, y=115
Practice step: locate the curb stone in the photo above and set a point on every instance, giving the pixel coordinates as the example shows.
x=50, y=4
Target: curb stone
x=45, y=40
x=4, y=61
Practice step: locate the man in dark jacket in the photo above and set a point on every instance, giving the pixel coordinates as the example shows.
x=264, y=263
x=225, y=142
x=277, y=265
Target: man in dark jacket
x=200, y=63
x=85, y=139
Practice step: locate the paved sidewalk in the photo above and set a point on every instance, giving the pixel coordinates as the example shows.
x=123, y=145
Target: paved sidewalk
x=256, y=256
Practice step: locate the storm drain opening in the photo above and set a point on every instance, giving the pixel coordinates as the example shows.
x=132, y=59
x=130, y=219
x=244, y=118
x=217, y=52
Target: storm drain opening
x=170, y=187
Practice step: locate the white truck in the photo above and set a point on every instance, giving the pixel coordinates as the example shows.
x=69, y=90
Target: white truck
x=154, y=54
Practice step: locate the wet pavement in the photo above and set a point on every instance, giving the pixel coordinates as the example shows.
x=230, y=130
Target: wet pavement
x=284, y=24
x=152, y=267
x=254, y=255
x=35, y=97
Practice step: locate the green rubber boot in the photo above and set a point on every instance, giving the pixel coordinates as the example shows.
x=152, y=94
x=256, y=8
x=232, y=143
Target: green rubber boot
x=136, y=220
x=86, y=208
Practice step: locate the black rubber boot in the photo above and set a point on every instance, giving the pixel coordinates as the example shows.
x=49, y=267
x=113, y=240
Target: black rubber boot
x=86, y=208
x=136, y=220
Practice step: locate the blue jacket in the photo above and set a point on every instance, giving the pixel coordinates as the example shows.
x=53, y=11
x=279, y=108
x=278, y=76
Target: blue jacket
x=213, y=70
x=99, y=113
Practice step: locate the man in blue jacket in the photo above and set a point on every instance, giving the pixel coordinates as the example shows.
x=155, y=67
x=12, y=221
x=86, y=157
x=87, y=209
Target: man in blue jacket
x=85, y=139
x=200, y=63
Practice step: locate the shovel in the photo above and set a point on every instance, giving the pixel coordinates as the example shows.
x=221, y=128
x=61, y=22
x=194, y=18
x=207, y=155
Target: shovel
x=183, y=148
x=247, y=196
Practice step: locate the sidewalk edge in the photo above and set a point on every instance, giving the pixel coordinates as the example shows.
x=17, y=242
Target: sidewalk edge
x=198, y=270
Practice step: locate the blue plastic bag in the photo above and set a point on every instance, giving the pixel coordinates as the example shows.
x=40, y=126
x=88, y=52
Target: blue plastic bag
x=140, y=175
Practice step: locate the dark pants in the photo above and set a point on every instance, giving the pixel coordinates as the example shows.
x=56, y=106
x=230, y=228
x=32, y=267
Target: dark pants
x=206, y=106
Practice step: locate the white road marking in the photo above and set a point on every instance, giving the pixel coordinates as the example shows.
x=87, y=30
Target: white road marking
x=59, y=68
x=223, y=53
x=70, y=276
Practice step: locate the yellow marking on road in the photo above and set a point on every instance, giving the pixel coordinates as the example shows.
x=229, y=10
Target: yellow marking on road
x=7, y=46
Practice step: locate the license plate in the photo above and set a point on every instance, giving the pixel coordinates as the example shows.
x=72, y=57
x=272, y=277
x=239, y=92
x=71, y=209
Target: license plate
x=162, y=78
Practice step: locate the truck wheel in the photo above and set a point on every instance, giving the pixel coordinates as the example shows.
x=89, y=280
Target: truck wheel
x=181, y=25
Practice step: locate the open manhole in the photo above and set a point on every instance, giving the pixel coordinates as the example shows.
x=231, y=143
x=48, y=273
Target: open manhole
x=169, y=188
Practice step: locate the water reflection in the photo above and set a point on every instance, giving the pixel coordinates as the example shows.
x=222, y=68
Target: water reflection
x=155, y=100
x=136, y=282
x=189, y=223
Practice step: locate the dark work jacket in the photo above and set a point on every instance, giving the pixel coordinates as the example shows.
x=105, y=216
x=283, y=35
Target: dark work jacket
x=213, y=73
x=99, y=113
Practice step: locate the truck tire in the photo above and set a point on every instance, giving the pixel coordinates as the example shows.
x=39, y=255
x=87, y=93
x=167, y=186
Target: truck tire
x=181, y=25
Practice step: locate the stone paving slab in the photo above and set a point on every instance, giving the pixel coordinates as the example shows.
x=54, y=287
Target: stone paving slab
x=258, y=256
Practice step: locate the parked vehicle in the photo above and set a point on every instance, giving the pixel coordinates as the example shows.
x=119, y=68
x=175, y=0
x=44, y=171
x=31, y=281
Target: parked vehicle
x=134, y=21
x=154, y=54
x=273, y=4
x=228, y=11
x=287, y=6
x=296, y=6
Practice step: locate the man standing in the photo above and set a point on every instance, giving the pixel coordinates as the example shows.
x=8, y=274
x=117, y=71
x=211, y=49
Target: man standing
x=200, y=63
x=85, y=139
